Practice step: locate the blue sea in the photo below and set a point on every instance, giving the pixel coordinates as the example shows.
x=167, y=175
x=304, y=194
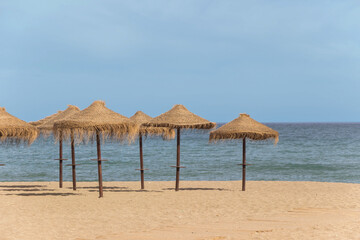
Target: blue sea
x=327, y=152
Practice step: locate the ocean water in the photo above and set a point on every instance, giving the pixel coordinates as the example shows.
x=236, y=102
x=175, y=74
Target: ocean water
x=306, y=152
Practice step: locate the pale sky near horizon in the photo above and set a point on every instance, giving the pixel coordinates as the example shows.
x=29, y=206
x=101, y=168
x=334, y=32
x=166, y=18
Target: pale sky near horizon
x=279, y=61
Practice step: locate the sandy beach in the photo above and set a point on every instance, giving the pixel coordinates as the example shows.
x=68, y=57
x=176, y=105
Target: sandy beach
x=201, y=211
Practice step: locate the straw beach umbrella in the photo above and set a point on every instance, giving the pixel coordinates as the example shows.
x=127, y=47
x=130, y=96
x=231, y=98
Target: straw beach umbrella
x=47, y=128
x=179, y=117
x=141, y=118
x=13, y=129
x=41, y=121
x=241, y=128
x=94, y=121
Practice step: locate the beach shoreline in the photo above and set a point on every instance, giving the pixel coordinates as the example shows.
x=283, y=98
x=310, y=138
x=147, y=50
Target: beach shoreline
x=201, y=210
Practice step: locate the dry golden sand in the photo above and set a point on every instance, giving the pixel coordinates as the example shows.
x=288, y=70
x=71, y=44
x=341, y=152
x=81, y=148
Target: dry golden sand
x=201, y=211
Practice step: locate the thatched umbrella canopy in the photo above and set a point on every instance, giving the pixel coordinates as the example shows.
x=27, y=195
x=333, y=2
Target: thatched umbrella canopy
x=47, y=128
x=141, y=118
x=96, y=119
x=41, y=121
x=12, y=129
x=244, y=127
x=241, y=128
x=179, y=117
x=93, y=121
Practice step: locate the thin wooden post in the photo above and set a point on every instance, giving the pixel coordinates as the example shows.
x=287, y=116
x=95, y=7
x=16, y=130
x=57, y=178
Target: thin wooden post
x=244, y=164
x=141, y=162
x=73, y=160
x=99, y=164
x=60, y=161
x=178, y=161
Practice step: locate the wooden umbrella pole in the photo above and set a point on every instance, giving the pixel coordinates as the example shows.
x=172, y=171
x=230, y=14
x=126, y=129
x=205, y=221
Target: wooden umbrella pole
x=141, y=162
x=99, y=165
x=244, y=164
x=178, y=161
x=73, y=160
x=60, y=161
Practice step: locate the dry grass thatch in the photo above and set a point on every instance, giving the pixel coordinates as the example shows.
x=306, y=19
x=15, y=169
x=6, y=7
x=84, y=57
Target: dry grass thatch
x=141, y=118
x=180, y=117
x=47, y=127
x=41, y=121
x=244, y=127
x=13, y=129
x=96, y=118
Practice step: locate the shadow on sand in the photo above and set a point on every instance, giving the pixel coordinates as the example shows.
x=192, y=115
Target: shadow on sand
x=44, y=194
x=27, y=189
x=21, y=186
x=98, y=187
x=199, y=189
x=36, y=190
x=126, y=190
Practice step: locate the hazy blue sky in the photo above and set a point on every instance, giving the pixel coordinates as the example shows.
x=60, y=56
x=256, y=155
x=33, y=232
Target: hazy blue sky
x=279, y=61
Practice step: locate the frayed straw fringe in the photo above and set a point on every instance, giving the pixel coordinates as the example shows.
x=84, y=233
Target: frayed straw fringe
x=119, y=132
x=189, y=126
x=214, y=137
x=166, y=133
x=141, y=118
x=18, y=135
x=45, y=133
